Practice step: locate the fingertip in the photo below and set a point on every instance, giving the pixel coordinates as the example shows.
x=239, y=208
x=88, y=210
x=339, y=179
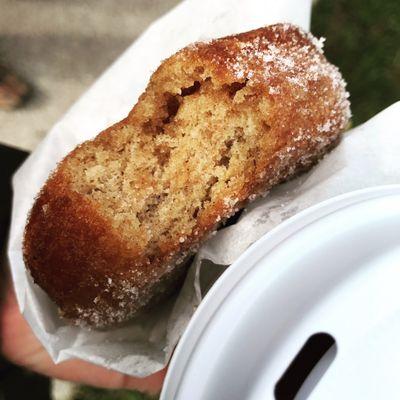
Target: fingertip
x=151, y=384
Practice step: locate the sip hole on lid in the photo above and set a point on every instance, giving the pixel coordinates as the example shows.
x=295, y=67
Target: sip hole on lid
x=307, y=368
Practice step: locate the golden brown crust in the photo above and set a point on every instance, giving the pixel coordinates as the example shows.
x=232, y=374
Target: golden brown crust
x=100, y=275
x=84, y=256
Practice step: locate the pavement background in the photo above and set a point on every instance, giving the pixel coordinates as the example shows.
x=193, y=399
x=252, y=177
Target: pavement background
x=60, y=47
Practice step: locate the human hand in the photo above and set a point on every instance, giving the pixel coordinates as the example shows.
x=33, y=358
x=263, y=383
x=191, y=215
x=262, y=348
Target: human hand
x=20, y=346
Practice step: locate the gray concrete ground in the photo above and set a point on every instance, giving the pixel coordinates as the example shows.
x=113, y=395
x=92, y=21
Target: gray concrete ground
x=60, y=47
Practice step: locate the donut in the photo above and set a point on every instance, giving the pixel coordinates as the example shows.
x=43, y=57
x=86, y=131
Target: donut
x=219, y=124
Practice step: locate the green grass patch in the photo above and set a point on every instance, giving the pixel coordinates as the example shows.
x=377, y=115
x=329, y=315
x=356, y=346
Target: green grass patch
x=363, y=40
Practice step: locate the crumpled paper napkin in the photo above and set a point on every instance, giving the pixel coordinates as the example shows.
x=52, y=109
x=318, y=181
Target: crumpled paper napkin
x=368, y=156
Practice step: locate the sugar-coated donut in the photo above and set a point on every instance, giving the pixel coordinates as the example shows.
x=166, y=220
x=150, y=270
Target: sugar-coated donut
x=219, y=124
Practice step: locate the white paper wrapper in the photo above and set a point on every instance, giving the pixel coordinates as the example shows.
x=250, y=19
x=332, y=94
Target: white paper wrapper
x=367, y=157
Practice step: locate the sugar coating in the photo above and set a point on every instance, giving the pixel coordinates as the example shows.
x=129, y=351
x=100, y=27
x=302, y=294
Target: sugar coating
x=219, y=124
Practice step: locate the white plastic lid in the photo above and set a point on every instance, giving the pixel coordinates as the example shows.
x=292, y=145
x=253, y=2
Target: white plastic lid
x=333, y=268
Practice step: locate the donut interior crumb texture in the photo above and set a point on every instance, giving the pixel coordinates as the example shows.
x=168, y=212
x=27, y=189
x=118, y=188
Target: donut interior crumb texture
x=219, y=124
